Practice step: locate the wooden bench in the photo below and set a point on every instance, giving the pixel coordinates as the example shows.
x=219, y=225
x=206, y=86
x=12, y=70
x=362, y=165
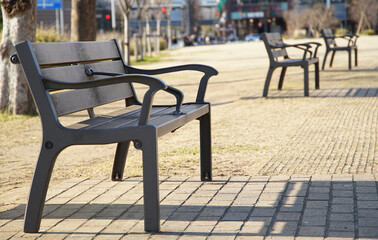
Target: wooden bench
x=331, y=46
x=65, y=78
x=279, y=57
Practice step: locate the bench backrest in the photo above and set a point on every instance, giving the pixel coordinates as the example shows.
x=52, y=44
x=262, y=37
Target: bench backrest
x=274, y=53
x=68, y=62
x=328, y=37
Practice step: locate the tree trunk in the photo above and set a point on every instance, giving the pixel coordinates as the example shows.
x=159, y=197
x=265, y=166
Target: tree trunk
x=169, y=30
x=83, y=20
x=360, y=23
x=140, y=24
x=158, y=32
x=126, y=37
x=148, y=35
x=18, y=25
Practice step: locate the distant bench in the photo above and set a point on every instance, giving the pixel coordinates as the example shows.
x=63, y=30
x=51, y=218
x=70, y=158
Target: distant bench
x=278, y=57
x=69, y=77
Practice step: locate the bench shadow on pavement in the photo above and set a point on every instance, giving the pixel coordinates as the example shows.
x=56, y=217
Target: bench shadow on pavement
x=321, y=93
x=240, y=208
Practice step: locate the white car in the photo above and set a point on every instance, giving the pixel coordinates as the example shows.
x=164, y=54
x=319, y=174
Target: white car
x=252, y=37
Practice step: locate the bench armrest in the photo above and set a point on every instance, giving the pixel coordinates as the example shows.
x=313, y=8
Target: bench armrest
x=351, y=38
x=298, y=45
x=207, y=70
x=174, y=91
x=154, y=84
x=316, y=48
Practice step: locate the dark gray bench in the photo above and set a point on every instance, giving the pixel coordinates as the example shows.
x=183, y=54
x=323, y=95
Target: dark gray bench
x=65, y=78
x=331, y=46
x=279, y=57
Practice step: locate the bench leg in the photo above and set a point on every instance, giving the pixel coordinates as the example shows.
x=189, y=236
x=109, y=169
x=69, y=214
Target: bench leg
x=325, y=59
x=267, y=81
x=151, y=183
x=306, y=91
x=333, y=56
x=317, y=84
x=355, y=57
x=280, y=83
x=38, y=190
x=205, y=146
x=120, y=160
x=349, y=59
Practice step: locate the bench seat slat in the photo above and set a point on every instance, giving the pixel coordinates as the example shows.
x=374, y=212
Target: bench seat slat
x=76, y=73
x=74, y=52
x=161, y=116
x=67, y=102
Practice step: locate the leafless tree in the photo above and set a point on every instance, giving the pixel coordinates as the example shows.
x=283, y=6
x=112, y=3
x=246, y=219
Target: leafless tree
x=293, y=21
x=147, y=16
x=125, y=6
x=364, y=12
x=169, y=25
x=318, y=17
x=18, y=25
x=195, y=14
x=140, y=4
x=83, y=20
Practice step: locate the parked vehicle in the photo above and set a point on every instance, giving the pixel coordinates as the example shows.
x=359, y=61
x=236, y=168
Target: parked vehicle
x=252, y=37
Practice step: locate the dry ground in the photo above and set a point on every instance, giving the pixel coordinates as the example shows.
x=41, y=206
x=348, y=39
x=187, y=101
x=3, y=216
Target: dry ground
x=251, y=135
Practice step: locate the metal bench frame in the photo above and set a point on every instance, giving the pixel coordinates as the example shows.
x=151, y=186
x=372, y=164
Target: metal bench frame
x=331, y=46
x=93, y=74
x=276, y=50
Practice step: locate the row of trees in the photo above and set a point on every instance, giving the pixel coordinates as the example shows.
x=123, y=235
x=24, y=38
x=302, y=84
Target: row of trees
x=19, y=24
x=363, y=12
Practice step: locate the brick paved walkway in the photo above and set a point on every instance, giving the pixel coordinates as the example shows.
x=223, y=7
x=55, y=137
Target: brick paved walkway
x=296, y=207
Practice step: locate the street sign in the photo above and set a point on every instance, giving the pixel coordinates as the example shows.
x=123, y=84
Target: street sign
x=49, y=4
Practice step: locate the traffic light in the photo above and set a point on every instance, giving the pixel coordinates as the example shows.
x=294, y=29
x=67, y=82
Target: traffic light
x=164, y=10
x=107, y=16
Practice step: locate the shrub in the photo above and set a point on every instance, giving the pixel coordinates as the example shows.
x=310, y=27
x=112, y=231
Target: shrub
x=340, y=31
x=368, y=32
x=48, y=35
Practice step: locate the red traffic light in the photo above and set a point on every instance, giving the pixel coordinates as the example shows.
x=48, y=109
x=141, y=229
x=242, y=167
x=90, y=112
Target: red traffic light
x=107, y=17
x=164, y=10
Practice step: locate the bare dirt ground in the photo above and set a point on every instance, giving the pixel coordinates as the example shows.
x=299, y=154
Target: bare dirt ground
x=251, y=135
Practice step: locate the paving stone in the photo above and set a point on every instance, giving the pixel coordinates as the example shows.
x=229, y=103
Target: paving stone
x=367, y=196
x=368, y=222
x=341, y=217
x=318, y=196
x=370, y=213
x=342, y=208
x=342, y=201
x=291, y=216
x=314, y=221
x=265, y=220
x=228, y=227
x=367, y=204
x=315, y=212
x=233, y=216
x=267, y=204
x=342, y=186
x=342, y=226
x=254, y=229
x=366, y=189
x=368, y=232
x=263, y=212
x=293, y=200
x=319, y=189
x=284, y=228
x=340, y=235
x=317, y=204
x=342, y=193
x=311, y=231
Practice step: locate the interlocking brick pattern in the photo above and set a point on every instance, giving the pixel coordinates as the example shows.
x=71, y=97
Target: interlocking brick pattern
x=277, y=207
